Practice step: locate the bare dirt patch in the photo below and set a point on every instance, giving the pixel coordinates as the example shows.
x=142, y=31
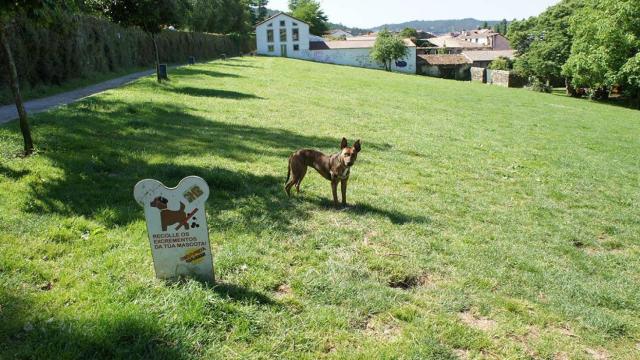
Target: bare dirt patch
x=526, y=340
x=283, y=290
x=598, y=354
x=478, y=322
x=462, y=354
x=561, y=356
x=386, y=330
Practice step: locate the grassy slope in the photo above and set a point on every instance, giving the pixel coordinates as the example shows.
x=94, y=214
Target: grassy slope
x=488, y=222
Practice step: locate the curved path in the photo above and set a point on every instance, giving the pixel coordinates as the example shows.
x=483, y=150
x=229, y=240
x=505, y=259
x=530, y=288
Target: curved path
x=9, y=112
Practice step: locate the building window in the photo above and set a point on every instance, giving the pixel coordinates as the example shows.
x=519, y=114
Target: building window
x=295, y=35
x=282, y=23
x=283, y=35
x=270, y=25
x=271, y=48
x=294, y=24
x=296, y=47
x=270, y=35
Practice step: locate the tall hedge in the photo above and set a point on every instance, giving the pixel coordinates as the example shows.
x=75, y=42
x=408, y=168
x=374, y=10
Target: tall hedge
x=77, y=46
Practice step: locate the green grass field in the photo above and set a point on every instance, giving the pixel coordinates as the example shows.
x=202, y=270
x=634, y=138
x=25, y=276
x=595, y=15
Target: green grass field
x=485, y=222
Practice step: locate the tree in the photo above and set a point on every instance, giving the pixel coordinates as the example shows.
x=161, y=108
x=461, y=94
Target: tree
x=543, y=43
x=388, y=48
x=9, y=11
x=223, y=16
x=150, y=15
x=485, y=25
x=501, y=27
x=606, y=46
x=409, y=33
x=309, y=11
x=262, y=9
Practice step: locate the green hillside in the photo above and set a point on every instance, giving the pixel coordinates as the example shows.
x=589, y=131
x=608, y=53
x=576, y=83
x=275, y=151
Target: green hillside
x=485, y=222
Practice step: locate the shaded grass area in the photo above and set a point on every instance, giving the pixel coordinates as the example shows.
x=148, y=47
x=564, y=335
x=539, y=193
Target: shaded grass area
x=485, y=222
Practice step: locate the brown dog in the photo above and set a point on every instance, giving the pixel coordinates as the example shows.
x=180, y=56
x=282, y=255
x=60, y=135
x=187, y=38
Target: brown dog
x=335, y=168
x=170, y=217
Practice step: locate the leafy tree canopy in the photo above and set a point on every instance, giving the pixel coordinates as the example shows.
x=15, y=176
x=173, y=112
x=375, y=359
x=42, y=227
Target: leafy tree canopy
x=310, y=12
x=606, y=45
x=409, y=33
x=224, y=16
x=150, y=15
x=543, y=43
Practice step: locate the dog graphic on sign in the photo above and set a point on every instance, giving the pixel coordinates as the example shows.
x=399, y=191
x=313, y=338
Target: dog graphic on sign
x=170, y=217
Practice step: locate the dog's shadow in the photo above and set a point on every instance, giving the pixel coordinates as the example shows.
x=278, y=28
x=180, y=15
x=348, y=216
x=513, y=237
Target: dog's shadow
x=396, y=217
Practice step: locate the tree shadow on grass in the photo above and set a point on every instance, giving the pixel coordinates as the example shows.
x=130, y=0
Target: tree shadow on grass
x=210, y=92
x=12, y=174
x=188, y=71
x=104, y=147
x=26, y=334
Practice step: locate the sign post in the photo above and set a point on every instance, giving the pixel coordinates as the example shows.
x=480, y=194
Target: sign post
x=177, y=227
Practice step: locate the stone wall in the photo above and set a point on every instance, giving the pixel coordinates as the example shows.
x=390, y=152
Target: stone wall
x=500, y=78
x=478, y=74
x=496, y=77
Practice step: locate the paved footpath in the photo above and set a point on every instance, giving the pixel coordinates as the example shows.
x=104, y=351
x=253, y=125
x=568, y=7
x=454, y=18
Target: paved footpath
x=9, y=112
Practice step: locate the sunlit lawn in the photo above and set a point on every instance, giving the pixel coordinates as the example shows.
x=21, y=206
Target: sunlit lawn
x=485, y=222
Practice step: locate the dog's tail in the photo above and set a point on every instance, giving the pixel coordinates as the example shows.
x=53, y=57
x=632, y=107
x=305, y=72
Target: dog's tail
x=288, y=171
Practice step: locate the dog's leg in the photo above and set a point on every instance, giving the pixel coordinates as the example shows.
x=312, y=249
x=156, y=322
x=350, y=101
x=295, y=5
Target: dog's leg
x=334, y=189
x=289, y=185
x=343, y=187
x=300, y=178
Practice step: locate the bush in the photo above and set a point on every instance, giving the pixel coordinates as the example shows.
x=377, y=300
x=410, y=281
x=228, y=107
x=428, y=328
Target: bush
x=78, y=46
x=501, y=63
x=537, y=85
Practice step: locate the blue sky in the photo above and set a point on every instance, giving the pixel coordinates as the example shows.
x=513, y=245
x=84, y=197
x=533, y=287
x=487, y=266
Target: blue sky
x=370, y=13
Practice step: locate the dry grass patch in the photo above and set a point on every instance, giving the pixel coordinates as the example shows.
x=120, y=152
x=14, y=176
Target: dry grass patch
x=477, y=322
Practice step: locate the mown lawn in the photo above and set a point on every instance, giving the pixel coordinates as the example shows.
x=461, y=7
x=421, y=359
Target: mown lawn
x=486, y=222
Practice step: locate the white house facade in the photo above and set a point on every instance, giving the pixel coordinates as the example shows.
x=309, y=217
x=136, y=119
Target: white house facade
x=283, y=35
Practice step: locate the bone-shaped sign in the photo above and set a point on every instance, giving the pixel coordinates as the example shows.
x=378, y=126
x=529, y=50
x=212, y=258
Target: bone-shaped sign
x=177, y=227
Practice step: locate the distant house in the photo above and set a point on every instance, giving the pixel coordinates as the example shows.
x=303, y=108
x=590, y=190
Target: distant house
x=456, y=43
x=448, y=66
x=284, y=35
x=457, y=66
x=486, y=37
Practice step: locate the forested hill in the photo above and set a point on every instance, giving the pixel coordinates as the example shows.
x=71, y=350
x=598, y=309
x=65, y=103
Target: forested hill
x=439, y=26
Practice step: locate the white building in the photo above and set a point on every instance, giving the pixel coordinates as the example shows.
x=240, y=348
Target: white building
x=284, y=35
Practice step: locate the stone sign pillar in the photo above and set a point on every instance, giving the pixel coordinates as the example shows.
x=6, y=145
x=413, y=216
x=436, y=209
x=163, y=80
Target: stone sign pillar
x=177, y=227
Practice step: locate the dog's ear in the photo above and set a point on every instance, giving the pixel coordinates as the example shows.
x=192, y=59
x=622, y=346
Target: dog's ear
x=343, y=144
x=357, y=145
x=164, y=200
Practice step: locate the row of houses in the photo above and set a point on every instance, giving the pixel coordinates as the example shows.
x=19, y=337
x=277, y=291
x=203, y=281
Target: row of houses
x=449, y=56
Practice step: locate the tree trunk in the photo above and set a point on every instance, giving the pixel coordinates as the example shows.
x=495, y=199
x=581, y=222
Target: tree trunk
x=15, y=89
x=155, y=48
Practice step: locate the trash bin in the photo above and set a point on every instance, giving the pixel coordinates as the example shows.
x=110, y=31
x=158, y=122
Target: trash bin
x=192, y=60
